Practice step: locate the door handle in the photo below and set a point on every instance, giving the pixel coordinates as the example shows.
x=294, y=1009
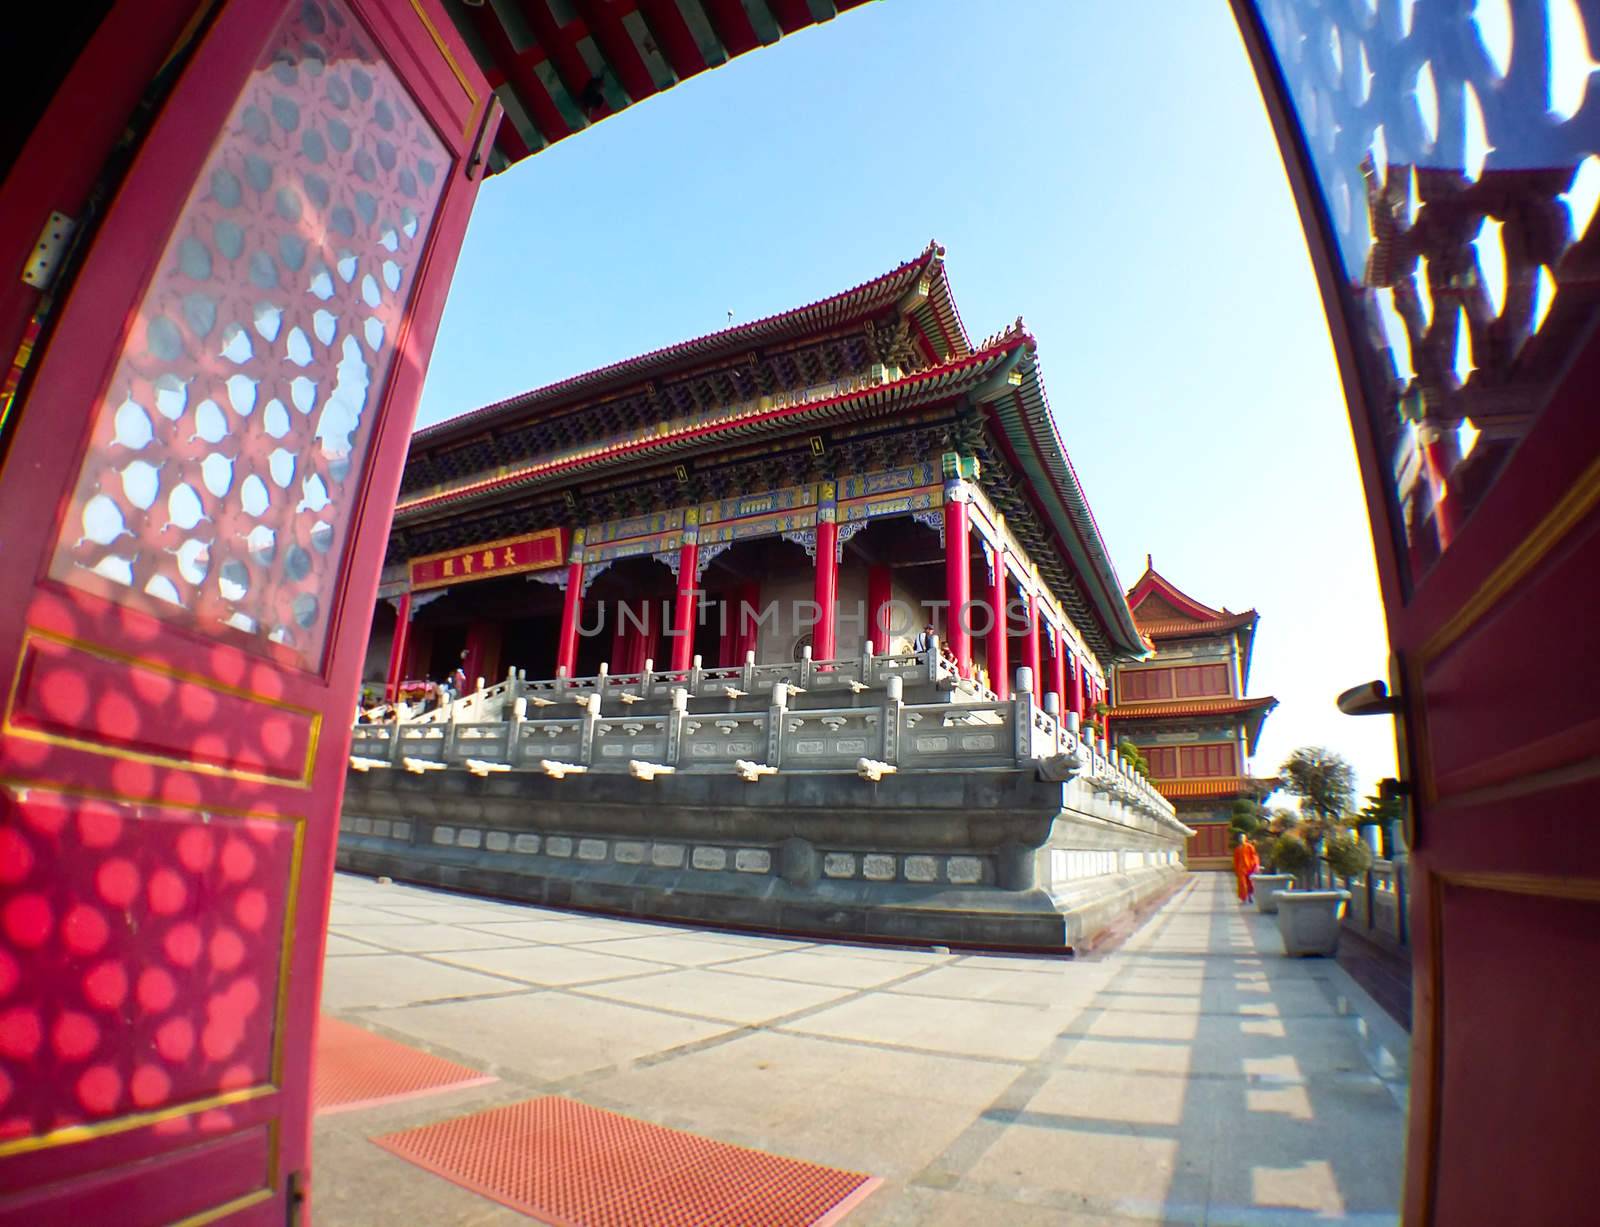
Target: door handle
x=1369, y=699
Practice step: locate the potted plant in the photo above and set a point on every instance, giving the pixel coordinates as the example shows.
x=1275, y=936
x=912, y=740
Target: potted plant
x=1308, y=920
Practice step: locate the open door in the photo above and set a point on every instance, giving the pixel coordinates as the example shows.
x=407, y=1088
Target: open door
x=1446, y=170
x=212, y=408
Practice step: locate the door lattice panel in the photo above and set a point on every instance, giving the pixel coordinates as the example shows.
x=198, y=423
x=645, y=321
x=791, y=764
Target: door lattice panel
x=568, y=1163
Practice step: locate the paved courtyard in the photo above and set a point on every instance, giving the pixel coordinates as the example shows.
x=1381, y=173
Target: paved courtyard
x=1191, y=1076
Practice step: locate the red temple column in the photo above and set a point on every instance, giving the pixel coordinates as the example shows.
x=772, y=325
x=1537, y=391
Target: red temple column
x=749, y=627
x=397, y=650
x=477, y=650
x=1058, y=672
x=1030, y=645
x=571, y=605
x=999, y=654
x=683, y=610
x=826, y=587
x=1075, y=686
x=880, y=591
x=957, y=581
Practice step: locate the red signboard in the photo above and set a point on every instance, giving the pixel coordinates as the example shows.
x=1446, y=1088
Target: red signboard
x=532, y=552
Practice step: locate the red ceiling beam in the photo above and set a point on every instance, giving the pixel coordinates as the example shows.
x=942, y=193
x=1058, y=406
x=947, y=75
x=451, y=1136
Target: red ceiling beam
x=673, y=37
x=605, y=24
x=732, y=25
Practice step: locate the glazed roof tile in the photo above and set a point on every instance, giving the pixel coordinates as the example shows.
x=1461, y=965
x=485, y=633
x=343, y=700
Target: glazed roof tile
x=1174, y=629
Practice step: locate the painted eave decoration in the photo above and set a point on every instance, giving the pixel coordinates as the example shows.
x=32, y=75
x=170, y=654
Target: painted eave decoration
x=558, y=66
x=1254, y=713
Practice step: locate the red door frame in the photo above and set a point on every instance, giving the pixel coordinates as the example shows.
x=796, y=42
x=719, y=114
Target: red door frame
x=126, y=762
x=1494, y=666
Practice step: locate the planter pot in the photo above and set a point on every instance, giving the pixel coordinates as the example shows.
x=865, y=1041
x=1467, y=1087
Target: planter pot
x=1268, y=887
x=1308, y=921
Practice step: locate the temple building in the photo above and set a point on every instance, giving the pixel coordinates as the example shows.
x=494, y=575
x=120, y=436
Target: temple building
x=727, y=616
x=845, y=472
x=1185, y=708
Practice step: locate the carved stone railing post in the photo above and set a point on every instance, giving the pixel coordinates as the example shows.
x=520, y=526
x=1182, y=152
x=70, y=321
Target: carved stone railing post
x=591, y=714
x=865, y=674
x=1022, y=714
x=695, y=668
x=449, y=744
x=395, y=725
x=519, y=713
x=747, y=677
x=805, y=667
x=893, y=708
x=680, y=706
x=777, y=717
x=931, y=663
x=644, y=678
x=1052, y=708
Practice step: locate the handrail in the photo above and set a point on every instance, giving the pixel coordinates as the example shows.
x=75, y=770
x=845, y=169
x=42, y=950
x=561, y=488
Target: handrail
x=873, y=738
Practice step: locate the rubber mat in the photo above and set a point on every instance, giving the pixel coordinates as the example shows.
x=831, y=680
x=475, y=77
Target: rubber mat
x=577, y=1166
x=356, y=1069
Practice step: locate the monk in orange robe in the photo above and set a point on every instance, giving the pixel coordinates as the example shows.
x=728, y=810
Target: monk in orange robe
x=1245, y=863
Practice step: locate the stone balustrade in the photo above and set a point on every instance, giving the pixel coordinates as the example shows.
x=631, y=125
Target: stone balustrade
x=1378, y=901
x=994, y=735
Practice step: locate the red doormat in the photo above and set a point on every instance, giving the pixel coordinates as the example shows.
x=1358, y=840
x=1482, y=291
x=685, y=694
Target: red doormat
x=577, y=1166
x=356, y=1069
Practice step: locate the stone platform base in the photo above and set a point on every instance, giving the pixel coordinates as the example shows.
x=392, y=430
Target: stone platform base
x=949, y=859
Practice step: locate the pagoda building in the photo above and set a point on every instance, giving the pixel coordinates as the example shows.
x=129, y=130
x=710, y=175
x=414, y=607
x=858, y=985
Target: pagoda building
x=1186, y=709
x=727, y=612
x=846, y=472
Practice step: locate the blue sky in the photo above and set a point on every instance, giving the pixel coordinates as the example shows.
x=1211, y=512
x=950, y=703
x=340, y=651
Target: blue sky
x=1105, y=171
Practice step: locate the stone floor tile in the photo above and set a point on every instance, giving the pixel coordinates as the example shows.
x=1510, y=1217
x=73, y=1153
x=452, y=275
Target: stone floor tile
x=974, y=1028
x=715, y=994
x=548, y=1037
x=551, y=965
x=823, y=966
x=385, y=980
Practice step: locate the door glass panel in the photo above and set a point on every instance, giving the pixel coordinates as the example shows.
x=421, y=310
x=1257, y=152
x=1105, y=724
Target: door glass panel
x=222, y=471
x=1457, y=163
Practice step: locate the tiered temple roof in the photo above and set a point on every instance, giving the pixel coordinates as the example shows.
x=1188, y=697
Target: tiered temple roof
x=1166, y=615
x=708, y=412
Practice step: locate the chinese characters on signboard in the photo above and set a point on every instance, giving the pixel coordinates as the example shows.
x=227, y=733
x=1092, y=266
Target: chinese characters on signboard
x=532, y=552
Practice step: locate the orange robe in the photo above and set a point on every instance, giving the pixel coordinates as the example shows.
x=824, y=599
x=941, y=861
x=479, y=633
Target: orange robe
x=1245, y=863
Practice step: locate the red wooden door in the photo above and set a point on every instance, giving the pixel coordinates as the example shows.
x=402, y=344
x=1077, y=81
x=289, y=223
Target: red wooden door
x=1447, y=174
x=198, y=475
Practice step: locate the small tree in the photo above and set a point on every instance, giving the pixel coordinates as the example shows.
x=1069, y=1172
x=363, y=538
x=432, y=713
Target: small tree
x=1247, y=817
x=1290, y=854
x=1347, y=856
x=1325, y=783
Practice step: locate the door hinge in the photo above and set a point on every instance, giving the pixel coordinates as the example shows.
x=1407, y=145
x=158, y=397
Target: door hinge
x=294, y=1199
x=45, y=261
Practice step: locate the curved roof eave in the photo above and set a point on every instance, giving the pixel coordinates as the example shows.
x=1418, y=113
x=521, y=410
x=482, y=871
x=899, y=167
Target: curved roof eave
x=936, y=317
x=1023, y=413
